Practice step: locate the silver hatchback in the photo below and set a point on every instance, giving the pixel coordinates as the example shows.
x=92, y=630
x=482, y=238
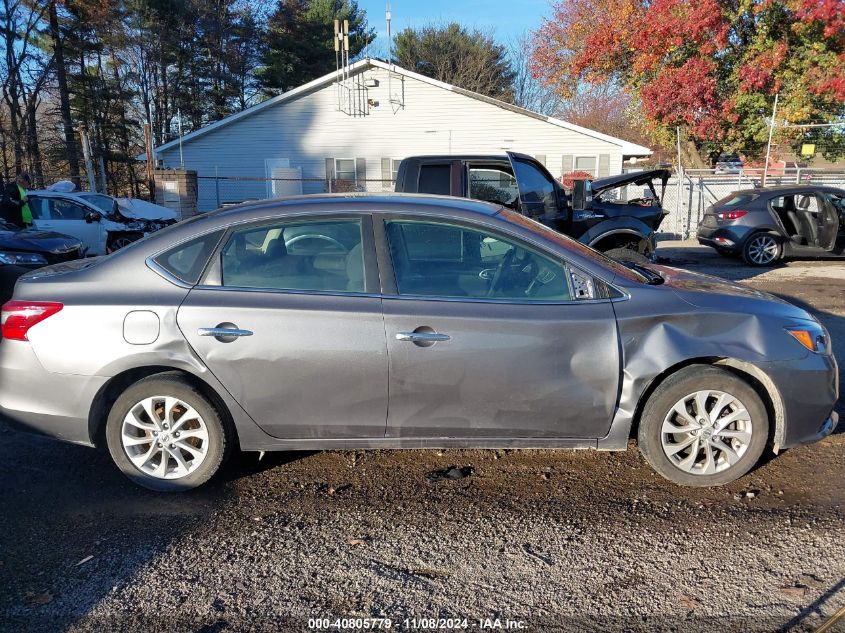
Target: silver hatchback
x=354, y=322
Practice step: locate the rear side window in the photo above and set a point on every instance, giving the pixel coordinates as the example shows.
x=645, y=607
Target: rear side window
x=187, y=260
x=435, y=179
x=323, y=256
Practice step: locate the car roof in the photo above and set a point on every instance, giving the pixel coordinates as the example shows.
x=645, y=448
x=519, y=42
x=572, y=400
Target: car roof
x=786, y=189
x=398, y=203
x=451, y=157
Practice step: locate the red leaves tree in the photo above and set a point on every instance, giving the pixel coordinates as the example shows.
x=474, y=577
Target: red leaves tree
x=711, y=67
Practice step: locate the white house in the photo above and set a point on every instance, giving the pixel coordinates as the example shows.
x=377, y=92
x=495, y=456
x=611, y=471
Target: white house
x=356, y=127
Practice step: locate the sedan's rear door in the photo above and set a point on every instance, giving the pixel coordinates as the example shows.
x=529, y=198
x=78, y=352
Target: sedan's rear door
x=289, y=320
x=487, y=339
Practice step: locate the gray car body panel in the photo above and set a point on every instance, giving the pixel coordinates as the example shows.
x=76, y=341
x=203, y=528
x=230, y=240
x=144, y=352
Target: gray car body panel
x=689, y=318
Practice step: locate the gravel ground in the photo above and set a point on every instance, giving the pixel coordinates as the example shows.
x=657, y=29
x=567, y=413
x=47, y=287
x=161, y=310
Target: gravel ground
x=566, y=541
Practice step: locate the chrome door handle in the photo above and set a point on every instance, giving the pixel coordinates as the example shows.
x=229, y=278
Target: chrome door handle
x=422, y=337
x=223, y=331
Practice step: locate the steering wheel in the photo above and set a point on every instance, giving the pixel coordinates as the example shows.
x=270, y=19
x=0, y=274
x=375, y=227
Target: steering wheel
x=316, y=236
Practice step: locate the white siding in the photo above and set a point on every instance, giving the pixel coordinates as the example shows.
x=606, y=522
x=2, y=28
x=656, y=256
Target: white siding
x=308, y=129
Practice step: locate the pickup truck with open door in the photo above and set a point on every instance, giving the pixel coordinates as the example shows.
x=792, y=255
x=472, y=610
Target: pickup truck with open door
x=594, y=212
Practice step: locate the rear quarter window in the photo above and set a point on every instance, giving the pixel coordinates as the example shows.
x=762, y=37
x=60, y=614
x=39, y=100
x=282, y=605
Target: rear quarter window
x=187, y=260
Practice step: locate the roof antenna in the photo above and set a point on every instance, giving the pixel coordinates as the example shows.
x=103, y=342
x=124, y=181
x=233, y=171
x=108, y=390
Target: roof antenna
x=388, y=16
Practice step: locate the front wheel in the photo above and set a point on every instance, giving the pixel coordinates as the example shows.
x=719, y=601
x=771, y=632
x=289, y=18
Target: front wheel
x=165, y=435
x=761, y=249
x=703, y=426
x=116, y=243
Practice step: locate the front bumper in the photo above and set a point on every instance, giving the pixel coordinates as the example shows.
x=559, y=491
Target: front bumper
x=35, y=400
x=808, y=389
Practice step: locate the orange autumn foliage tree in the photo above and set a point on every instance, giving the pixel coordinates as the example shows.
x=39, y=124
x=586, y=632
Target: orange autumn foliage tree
x=711, y=67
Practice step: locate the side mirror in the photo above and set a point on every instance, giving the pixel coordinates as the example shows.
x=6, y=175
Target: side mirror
x=92, y=216
x=582, y=195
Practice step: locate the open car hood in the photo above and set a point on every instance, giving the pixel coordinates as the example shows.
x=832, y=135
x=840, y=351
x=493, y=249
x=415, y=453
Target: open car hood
x=635, y=178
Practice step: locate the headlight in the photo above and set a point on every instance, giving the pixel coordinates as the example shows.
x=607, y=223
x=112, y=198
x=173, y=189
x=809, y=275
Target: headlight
x=813, y=336
x=21, y=258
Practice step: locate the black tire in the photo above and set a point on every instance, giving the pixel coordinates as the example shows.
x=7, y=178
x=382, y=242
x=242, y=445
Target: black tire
x=676, y=387
x=220, y=435
x=762, y=249
x=121, y=241
x=627, y=254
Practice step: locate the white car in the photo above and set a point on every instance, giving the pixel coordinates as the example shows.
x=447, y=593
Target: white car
x=101, y=222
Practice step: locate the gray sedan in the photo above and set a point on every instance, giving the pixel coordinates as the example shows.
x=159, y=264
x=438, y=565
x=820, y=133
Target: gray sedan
x=354, y=322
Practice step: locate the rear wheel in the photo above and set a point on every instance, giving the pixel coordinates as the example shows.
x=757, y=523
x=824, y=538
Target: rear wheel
x=703, y=426
x=762, y=249
x=165, y=435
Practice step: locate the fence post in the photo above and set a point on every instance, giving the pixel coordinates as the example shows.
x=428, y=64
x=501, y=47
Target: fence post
x=216, y=187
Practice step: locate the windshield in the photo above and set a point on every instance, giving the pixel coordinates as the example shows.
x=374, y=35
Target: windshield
x=567, y=242
x=102, y=202
x=736, y=199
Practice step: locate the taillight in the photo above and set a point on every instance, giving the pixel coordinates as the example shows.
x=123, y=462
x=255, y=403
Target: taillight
x=730, y=215
x=18, y=316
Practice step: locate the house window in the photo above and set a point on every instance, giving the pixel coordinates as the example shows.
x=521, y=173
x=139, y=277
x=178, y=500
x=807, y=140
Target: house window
x=587, y=163
x=394, y=168
x=344, y=169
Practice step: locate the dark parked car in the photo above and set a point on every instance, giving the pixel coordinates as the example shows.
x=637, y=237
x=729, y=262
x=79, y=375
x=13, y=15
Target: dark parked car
x=21, y=251
x=353, y=322
x=764, y=225
x=623, y=229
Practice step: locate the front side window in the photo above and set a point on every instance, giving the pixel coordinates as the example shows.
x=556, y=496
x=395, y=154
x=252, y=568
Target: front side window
x=493, y=185
x=537, y=193
x=434, y=259
x=323, y=255
x=61, y=209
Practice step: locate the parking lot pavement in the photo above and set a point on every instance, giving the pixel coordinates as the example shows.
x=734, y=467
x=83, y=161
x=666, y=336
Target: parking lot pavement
x=556, y=540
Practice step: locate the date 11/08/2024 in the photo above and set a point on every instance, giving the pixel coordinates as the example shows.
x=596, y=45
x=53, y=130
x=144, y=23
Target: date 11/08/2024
x=417, y=624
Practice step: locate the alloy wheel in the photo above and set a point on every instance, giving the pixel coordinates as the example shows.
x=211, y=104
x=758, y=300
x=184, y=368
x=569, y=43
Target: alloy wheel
x=763, y=249
x=706, y=432
x=164, y=437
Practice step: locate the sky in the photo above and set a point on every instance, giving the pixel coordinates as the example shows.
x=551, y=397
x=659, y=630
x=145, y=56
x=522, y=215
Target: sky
x=506, y=18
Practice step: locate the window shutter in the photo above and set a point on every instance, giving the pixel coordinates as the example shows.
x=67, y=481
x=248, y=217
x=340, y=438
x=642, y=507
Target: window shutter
x=604, y=165
x=541, y=158
x=566, y=164
x=386, y=172
x=361, y=172
x=330, y=169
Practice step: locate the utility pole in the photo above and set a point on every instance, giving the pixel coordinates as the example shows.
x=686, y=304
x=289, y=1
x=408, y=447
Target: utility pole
x=86, y=152
x=769, y=146
x=148, y=142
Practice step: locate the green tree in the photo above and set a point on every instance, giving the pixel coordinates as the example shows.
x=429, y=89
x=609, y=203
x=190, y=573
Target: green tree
x=299, y=43
x=452, y=54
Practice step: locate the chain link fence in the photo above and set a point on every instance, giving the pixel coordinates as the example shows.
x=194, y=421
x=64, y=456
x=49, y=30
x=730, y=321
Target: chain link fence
x=690, y=193
x=686, y=196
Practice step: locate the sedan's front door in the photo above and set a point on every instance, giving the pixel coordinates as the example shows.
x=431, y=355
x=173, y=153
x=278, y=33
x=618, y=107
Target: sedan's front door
x=485, y=339
x=292, y=328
